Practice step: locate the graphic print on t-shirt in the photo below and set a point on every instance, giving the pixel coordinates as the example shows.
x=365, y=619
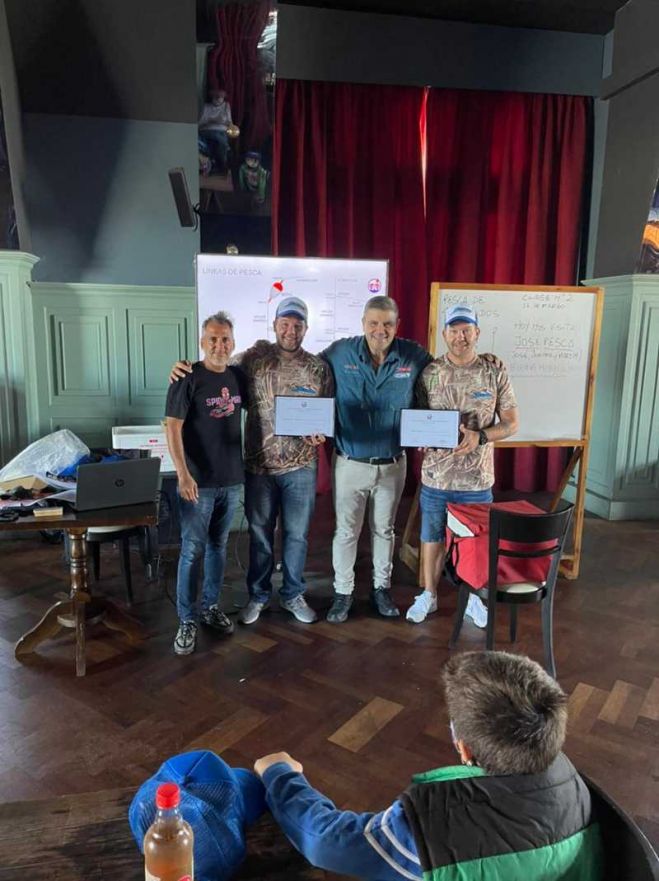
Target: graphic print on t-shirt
x=223, y=405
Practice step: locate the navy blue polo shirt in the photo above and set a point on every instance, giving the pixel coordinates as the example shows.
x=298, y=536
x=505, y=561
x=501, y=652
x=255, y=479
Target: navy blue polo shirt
x=369, y=401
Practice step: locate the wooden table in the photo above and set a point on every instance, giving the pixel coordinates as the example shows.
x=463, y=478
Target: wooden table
x=87, y=838
x=80, y=608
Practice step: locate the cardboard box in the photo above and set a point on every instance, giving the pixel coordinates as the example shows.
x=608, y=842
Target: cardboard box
x=28, y=482
x=144, y=437
x=137, y=437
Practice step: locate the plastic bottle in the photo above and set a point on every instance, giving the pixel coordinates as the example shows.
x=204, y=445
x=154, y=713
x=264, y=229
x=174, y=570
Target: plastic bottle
x=169, y=840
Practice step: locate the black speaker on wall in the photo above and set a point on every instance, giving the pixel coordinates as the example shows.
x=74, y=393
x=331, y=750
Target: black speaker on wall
x=187, y=214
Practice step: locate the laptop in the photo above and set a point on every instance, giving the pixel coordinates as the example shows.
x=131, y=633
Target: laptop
x=114, y=484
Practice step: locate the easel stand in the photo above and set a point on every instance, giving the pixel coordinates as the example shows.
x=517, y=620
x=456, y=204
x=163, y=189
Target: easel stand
x=478, y=294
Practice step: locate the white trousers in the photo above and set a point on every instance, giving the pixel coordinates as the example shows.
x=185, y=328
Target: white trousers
x=356, y=485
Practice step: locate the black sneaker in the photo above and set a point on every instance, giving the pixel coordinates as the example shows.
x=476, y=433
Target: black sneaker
x=381, y=599
x=216, y=619
x=338, y=612
x=186, y=638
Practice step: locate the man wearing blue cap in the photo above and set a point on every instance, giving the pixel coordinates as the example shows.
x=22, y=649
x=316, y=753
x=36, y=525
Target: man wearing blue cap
x=479, y=387
x=281, y=471
x=280, y=478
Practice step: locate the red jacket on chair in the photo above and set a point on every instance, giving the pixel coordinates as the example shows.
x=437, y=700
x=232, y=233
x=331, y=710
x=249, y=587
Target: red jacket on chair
x=467, y=542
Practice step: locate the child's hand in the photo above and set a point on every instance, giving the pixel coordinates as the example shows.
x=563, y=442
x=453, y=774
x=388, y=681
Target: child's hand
x=261, y=765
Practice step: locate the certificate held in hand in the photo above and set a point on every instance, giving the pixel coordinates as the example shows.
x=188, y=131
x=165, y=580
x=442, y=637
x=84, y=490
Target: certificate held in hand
x=438, y=429
x=301, y=416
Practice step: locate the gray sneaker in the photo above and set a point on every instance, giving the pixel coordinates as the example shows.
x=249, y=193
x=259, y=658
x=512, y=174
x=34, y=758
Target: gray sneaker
x=251, y=612
x=299, y=609
x=186, y=638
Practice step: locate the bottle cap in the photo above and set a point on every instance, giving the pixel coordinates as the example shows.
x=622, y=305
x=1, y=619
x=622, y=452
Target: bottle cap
x=168, y=795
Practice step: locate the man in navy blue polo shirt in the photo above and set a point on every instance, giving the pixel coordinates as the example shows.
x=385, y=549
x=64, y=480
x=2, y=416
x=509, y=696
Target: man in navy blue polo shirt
x=375, y=375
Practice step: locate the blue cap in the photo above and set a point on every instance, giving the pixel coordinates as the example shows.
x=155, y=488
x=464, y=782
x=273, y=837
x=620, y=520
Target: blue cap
x=292, y=306
x=460, y=312
x=218, y=802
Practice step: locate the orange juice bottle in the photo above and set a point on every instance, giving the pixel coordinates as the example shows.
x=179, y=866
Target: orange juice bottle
x=169, y=840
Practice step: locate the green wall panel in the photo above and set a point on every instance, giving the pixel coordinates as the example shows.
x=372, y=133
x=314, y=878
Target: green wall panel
x=103, y=354
x=623, y=471
x=17, y=409
x=80, y=344
x=155, y=340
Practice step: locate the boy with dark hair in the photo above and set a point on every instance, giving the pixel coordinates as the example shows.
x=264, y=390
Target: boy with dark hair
x=508, y=709
x=516, y=809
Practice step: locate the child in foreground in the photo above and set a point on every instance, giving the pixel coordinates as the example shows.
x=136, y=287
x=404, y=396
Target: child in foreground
x=515, y=809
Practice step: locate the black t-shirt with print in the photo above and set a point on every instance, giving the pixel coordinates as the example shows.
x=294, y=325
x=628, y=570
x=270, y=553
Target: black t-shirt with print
x=211, y=405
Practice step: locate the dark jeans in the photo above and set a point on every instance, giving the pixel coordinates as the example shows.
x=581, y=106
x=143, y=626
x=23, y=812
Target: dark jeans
x=293, y=495
x=204, y=532
x=217, y=144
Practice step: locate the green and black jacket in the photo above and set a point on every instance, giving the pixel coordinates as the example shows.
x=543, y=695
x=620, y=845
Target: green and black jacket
x=469, y=826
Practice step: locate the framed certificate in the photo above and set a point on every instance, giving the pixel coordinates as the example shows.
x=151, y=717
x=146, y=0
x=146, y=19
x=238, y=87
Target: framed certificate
x=429, y=428
x=302, y=416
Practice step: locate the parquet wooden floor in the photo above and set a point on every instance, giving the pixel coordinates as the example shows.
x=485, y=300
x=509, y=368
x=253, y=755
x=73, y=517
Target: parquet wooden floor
x=358, y=703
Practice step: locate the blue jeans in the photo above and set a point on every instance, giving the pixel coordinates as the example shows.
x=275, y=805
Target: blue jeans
x=293, y=495
x=205, y=528
x=217, y=144
x=433, y=504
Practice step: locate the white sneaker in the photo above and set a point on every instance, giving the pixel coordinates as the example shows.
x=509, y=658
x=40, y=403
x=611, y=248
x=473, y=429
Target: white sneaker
x=477, y=611
x=424, y=604
x=251, y=612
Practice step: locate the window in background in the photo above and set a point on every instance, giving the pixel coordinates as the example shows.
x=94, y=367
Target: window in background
x=235, y=125
x=8, y=228
x=649, y=258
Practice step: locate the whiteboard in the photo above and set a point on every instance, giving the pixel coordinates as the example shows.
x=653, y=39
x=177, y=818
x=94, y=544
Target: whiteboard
x=249, y=289
x=545, y=339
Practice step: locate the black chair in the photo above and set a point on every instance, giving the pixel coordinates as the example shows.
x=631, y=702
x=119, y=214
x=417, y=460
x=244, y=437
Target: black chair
x=122, y=536
x=628, y=855
x=520, y=529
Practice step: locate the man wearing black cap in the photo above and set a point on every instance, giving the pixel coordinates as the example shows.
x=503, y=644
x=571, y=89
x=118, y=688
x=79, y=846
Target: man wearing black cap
x=479, y=387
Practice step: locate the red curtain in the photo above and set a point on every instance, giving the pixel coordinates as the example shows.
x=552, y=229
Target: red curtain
x=505, y=185
x=233, y=65
x=347, y=182
x=504, y=190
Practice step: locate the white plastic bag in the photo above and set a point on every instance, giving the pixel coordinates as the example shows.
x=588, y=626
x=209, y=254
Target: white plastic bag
x=52, y=453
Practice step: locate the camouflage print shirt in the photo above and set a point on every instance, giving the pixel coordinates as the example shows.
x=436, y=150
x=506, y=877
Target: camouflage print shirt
x=269, y=375
x=480, y=391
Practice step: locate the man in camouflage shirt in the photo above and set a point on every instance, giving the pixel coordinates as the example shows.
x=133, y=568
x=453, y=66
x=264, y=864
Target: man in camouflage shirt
x=479, y=387
x=280, y=477
x=280, y=471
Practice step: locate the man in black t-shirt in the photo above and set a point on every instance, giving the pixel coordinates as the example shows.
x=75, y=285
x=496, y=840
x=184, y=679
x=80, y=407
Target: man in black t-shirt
x=204, y=438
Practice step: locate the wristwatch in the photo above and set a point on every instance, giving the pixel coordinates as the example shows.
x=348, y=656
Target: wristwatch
x=482, y=438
